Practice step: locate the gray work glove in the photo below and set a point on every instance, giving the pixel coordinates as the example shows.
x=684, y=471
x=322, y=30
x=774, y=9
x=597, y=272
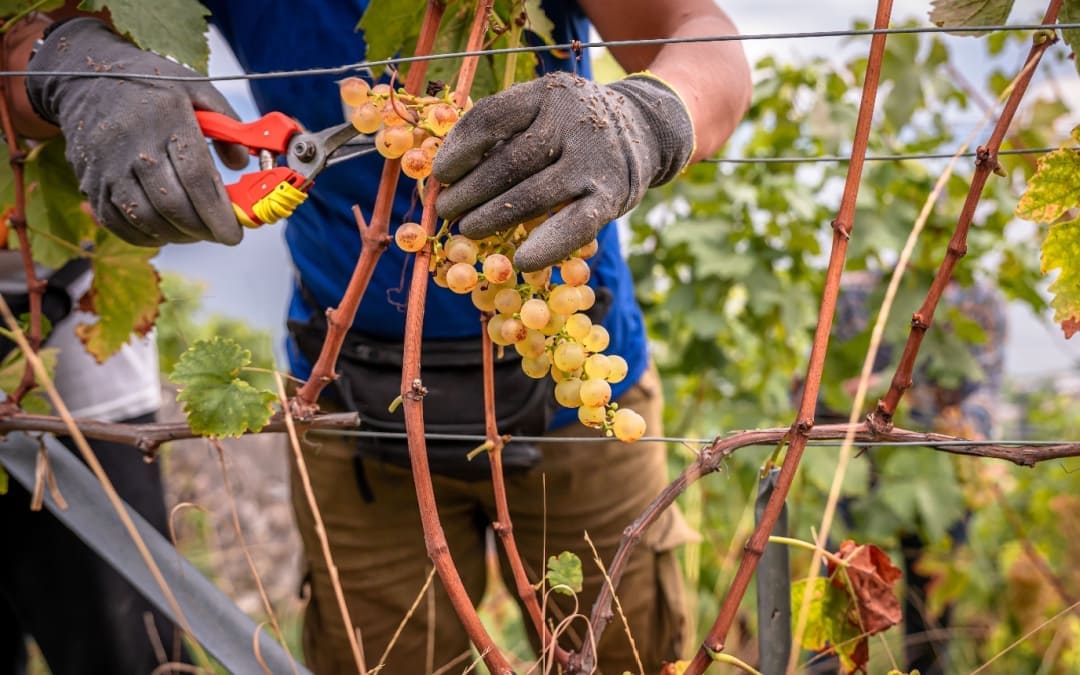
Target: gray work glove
x=560, y=138
x=141, y=160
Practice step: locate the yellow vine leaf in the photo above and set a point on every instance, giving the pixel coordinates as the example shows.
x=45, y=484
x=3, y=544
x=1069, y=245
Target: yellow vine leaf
x=1052, y=192
x=125, y=295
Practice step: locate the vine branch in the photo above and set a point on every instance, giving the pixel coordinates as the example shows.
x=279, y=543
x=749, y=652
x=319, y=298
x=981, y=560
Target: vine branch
x=712, y=458
x=986, y=162
x=804, y=423
x=149, y=437
x=35, y=287
x=413, y=391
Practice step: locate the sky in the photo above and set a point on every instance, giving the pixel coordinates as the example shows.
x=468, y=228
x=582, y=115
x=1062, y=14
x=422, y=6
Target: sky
x=251, y=281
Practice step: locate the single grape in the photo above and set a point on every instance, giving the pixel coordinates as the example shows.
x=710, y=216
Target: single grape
x=419, y=135
x=498, y=268
x=494, y=329
x=578, y=325
x=440, y=118
x=354, y=91
x=617, y=368
x=560, y=376
x=507, y=301
x=380, y=90
x=575, y=271
x=588, y=297
x=536, y=368
x=392, y=142
x=534, y=344
x=513, y=331
x=595, y=392
x=416, y=164
x=395, y=113
x=461, y=278
x=535, y=313
x=569, y=356
x=366, y=119
x=597, y=367
x=431, y=145
x=588, y=250
x=483, y=296
x=538, y=279
x=627, y=425
x=554, y=324
x=597, y=340
x=564, y=300
x=460, y=248
x=410, y=237
x=568, y=392
x=592, y=416
x=440, y=274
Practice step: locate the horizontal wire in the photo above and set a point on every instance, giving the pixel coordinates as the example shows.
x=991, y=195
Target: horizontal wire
x=869, y=158
x=480, y=438
x=565, y=46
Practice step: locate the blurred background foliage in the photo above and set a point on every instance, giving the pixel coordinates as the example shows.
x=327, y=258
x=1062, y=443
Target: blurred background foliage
x=729, y=265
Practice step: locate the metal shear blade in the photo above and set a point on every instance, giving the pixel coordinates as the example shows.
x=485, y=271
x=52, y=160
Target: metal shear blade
x=310, y=153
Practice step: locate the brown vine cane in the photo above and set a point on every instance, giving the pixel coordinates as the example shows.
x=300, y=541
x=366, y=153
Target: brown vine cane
x=986, y=163
x=375, y=236
x=842, y=226
x=35, y=287
x=412, y=394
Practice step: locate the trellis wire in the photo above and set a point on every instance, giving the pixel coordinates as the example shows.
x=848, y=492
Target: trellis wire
x=565, y=46
x=480, y=438
x=869, y=158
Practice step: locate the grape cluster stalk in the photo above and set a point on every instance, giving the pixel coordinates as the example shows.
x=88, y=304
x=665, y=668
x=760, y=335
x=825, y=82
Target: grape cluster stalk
x=544, y=320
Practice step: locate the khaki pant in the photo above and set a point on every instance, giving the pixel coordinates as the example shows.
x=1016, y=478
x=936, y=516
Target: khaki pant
x=379, y=548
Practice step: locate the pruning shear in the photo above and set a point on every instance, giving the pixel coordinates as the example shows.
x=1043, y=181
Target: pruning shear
x=273, y=192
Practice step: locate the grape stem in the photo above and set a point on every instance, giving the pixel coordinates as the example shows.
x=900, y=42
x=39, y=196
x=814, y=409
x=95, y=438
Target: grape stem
x=503, y=526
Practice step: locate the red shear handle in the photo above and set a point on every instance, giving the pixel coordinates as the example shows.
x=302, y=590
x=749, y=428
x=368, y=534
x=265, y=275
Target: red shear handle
x=265, y=196
x=270, y=132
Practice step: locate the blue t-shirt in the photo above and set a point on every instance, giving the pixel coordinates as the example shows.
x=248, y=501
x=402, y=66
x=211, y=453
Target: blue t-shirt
x=322, y=237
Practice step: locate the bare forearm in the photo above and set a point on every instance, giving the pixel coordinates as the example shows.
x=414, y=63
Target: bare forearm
x=712, y=77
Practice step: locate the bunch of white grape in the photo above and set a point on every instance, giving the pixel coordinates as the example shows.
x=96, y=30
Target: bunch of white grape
x=544, y=321
x=406, y=126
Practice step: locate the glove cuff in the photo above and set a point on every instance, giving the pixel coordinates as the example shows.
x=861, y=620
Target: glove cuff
x=666, y=114
x=56, y=52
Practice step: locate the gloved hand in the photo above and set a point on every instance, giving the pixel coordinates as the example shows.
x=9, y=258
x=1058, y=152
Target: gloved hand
x=136, y=148
x=525, y=151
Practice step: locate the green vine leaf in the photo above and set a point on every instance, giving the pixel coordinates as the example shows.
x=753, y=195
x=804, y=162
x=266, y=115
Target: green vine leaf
x=391, y=27
x=11, y=372
x=175, y=28
x=125, y=295
x=217, y=401
x=564, y=573
x=827, y=626
x=970, y=13
x=11, y=8
x=57, y=223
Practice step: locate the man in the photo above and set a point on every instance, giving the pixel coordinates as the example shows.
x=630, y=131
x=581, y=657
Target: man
x=682, y=111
